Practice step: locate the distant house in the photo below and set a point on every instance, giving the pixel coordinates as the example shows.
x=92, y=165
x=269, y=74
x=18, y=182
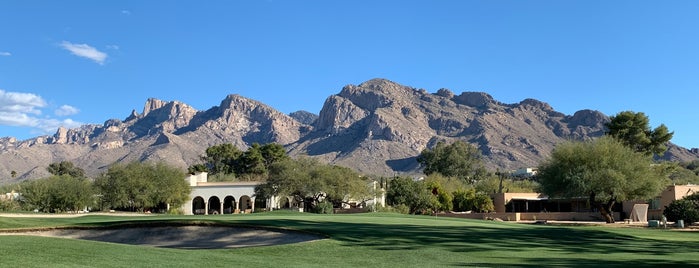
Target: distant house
x=525, y=172
x=658, y=204
x=536, y=205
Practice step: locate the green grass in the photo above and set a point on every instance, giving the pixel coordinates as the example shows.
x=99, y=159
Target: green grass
x=366, y=240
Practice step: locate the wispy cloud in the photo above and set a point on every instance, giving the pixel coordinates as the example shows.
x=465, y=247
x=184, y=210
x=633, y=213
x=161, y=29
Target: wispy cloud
x=5, y=54
x=66, y=110
x=25, y=110
x=113, y=47
x=126, y=12
x=85, y=51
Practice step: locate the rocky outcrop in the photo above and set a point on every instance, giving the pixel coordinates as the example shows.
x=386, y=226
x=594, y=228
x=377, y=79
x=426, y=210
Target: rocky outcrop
x=304, y=117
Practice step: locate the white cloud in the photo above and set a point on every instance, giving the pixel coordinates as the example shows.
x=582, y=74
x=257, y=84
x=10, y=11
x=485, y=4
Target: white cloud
x=126, y=12
x=49, y=126
x=85, y=51
x=23, y=110
x=113, y=47
x=5, y=54
x=66, y=110
x=17, y=102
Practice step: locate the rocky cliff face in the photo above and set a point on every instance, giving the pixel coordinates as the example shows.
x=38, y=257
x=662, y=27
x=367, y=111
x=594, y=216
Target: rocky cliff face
x=380, y=127
x=377, y=127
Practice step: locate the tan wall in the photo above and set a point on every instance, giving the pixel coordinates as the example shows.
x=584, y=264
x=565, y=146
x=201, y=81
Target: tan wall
x=676, y=192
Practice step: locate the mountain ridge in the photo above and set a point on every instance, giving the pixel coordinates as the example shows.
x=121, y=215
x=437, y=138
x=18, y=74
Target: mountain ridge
x=376, y=127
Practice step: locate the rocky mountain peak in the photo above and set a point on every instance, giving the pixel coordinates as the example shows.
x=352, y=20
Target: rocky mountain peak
x=536, y=104
x=444, y=92
x=132, y=116
x=153, y=104
x=305, y=117
x=590, y=118
x=162, y=116
x=475, y=99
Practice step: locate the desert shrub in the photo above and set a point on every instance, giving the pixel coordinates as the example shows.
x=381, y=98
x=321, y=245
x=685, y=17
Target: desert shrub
x=686, y=209
x=323, y=208
x=9, y=205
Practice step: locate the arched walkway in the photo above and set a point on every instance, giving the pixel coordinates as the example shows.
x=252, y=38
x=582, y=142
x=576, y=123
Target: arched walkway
x=245, y=203
x=284, y=202
x=214, y=205
x=229, y=205
x=198, y=206
x=260, y=204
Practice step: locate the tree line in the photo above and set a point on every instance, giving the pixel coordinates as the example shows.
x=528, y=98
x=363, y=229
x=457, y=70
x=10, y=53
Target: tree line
x=137, y=186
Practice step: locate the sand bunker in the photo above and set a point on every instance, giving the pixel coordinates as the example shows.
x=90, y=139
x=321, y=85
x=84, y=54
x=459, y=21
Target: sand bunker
x=183, y=237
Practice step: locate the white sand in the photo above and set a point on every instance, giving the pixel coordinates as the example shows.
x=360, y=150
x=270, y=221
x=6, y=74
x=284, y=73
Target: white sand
x=185, y=237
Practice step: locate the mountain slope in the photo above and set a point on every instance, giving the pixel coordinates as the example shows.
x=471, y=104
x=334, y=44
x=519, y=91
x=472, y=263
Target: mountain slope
x=377, y=127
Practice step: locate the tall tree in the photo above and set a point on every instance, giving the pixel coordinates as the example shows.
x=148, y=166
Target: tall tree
x=310, y=182
x=633, y=129
x=252, y=161
x=58, y=193
x=65, y=168
x=416, y=195
x=459, y=159
x=273, y=152
x=221, y=158
x=604, y=169
x=226, y=159
x=140, y=186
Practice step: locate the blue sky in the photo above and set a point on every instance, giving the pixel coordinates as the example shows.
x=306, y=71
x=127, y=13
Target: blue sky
x=74, y=62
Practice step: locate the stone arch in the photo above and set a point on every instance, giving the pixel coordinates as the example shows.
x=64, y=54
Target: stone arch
x=214, y=205
x=245, y=203
x=229, y=205
x=198, y=206
x=284, y=202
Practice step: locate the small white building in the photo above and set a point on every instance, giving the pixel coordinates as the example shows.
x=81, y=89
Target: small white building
x=525, y=172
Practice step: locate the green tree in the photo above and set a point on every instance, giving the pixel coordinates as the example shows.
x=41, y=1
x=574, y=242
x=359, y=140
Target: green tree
x=633, y=129
x=139, y=186
x=470, y=200
x=503, y=183
x=309, y=181
x=464, y=200
x=65, y=168
x=13, y=174
x=58, y=193
x=604, y=169
x=272, y=153
x=221, y=158
x=252, y=161
x=677, y=173
x=686, y=209
x=459, y=159
x=443, y=196
x=413, y=194
x=225, y=162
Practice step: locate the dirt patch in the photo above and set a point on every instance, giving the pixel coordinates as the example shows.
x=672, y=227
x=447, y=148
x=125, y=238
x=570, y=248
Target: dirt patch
x=183, y=237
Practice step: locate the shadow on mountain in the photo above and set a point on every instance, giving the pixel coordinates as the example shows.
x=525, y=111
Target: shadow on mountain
x=404, y=164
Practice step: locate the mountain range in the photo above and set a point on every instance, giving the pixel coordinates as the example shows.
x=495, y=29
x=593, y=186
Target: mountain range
x=378, y=127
